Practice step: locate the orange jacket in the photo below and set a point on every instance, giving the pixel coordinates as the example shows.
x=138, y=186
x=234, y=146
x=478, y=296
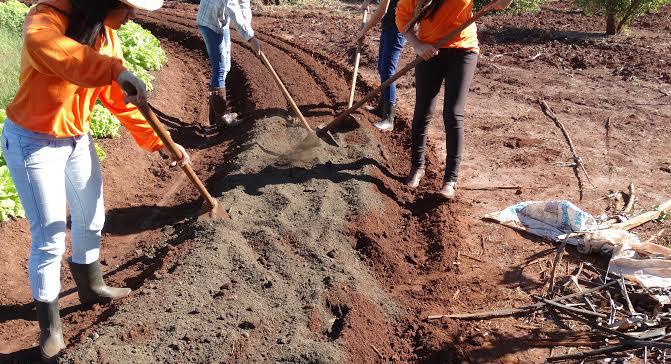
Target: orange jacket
x=61, y=79
x=450, y=15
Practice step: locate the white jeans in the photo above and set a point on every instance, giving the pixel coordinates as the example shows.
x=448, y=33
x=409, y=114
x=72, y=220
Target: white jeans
x=48, y=173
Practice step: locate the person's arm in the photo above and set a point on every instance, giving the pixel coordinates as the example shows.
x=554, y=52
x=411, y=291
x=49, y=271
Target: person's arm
x=240, y=13
x=374, y=19
x=50, y=52
x=112, y=97
x=502, y=4
x=404, y=13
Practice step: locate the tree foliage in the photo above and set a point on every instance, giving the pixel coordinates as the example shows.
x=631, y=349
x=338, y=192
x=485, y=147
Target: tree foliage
x=620, y=13
x=518, y=6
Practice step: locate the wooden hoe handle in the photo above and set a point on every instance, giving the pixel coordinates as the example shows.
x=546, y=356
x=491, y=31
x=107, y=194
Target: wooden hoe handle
x=163, y=134
x=405, y=69
x=290, y=99
x=357, y=58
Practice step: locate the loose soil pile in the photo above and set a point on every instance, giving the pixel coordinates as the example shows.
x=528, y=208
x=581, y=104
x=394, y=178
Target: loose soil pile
x=327, y=256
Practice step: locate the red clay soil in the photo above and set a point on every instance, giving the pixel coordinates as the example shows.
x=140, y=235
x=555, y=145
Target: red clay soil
x=430, y=257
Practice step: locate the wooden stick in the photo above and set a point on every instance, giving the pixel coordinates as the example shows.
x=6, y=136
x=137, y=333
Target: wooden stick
x=473, y=258
x=377, y=351
x=623, y=286
x=369, y=96
x=488, y=314
x=286, y=93
x=630, y=201
x=569, y=308
x=607, y=126
x=491, y=188
x=644, y=217
x=578, y=161
x=587, y=354
x=420, y=11
x=523, y=309
x=357, y=57
x=557, y=260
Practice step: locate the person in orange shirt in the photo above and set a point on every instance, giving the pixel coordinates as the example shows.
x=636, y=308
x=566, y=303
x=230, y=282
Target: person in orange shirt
x=452, y=63
x=70, y=58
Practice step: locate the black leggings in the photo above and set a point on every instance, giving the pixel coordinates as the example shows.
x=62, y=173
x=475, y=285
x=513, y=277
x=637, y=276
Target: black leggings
x=456, y=67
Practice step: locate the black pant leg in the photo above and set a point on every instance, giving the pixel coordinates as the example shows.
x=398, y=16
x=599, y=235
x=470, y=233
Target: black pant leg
x=458, y=67
x=428, y=79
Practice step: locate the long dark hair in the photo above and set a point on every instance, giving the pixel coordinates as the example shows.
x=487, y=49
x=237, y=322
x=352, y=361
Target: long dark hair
x=86, y=21
x=435, y=4
x=425, y=9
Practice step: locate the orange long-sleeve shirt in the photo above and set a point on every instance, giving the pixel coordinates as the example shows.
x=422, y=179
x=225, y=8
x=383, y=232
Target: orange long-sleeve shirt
x=61, y=79
x=450, y=15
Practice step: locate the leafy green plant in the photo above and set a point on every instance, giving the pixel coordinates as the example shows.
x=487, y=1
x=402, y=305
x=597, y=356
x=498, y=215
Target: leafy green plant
x=103, y=123
x=12, y=13
x=10, y=48
x=620, y=13
x=141, y=73
x=140, y=47
x=100, y=152
x=10, y=205
x=2, y=124
x=517, y=7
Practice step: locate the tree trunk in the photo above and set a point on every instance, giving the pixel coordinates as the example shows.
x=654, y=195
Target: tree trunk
x=611, y=23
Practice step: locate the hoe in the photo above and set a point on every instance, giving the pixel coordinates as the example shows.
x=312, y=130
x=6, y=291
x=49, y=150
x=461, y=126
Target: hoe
x=324, y=132
x=211, y=209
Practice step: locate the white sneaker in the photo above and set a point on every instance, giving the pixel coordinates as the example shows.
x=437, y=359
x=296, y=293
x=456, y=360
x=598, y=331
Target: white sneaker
x=449, y=190
x=231, y=119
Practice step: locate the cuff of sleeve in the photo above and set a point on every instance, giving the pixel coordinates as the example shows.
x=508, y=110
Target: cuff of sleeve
x=117, y=68
x=156, y=146
x=247, y=34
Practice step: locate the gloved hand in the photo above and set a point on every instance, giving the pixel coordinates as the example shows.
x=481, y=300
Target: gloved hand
x=256, y=46
x=136, y=96
x=502, y=4
x=186, y=159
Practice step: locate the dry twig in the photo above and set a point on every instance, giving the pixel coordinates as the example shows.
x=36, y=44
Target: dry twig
x=557, y=260
x=577, y=160
x=518, y=310
x=377, y=351
x=630, y=201
x=644, y=217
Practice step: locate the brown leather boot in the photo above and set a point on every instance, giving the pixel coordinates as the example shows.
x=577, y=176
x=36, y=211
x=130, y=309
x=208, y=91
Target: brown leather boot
x=218, y=107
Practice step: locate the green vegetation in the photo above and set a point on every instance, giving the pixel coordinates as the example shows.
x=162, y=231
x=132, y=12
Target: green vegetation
x=12, y=13
x=2, y=123
x=103, y=123
x=142, y=53
x=517, y=7
x=9, y=199
x=620, y=13
x=140, y=47
x=100, y=152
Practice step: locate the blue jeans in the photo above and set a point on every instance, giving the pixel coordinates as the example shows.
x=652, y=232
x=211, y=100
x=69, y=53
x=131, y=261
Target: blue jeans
x=219, y=51
x=391, y=44
x=49, y=173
